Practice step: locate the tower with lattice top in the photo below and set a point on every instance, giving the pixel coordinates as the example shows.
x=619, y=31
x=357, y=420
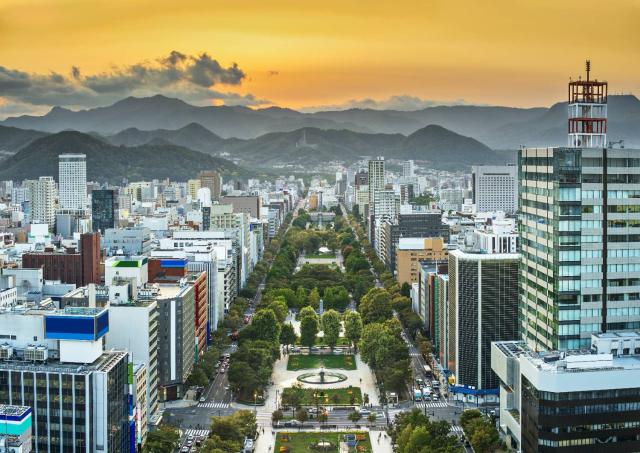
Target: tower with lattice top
x=587, y=112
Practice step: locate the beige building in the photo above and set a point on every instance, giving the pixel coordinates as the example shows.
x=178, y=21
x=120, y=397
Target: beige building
x=411, y=251
x=211, y=179
x=193, y=185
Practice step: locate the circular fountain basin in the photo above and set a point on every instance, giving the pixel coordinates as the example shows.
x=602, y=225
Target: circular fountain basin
x=329, y=377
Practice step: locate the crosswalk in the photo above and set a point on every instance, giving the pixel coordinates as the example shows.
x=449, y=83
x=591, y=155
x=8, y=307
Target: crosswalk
x=214, y=405
x=456, y=429
x=415, y=354
x=430, y=404
x=196, y=432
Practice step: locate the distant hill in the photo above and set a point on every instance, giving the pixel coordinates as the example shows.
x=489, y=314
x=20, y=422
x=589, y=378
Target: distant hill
x=106, y=162
x=436, y=145
x=193, y=136
x=13, y=139
x=497, y=127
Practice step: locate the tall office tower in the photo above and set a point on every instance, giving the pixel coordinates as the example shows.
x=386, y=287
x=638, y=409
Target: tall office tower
x=104, y=211
x=408, y=169
x=43, y=200
x=483, y=307
x=376, y=178
x=211, y=180
x=580, y=238
x=495, y=188
x=72, y=181
x=587, y=112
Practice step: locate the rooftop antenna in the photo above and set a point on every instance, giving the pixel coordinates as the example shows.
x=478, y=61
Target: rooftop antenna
x=588, y=65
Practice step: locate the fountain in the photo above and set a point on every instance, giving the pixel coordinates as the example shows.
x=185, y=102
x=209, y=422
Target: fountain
x=322, y=377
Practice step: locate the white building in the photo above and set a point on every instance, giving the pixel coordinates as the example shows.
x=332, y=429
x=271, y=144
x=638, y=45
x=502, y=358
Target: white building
x=72, y=179
x=43, y=200
x=495, y=188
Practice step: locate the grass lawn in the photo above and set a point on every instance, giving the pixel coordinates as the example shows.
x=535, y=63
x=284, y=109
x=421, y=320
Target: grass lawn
x=331, y=397
x=301, y=442
x=298, y=362
x=342, y=342
x=321, y=256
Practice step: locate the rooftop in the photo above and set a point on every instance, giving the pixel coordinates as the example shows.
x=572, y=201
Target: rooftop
x=7, y=410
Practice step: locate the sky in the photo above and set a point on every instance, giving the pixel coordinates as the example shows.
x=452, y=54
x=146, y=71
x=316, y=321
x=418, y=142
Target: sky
x=311, y=55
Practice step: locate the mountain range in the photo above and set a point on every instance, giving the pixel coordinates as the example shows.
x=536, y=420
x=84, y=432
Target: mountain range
x=107, y=162
x=496, y=127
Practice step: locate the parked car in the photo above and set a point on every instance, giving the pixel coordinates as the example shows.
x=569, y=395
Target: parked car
x=203, y=399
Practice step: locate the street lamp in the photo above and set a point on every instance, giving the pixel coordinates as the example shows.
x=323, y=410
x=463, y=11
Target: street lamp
x=255, y=401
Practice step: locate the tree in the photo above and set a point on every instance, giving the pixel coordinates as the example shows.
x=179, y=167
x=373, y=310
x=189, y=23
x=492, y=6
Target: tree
x=276, y=416
x=306, y=311
x=293, y=396
x=314, y=298
x=353, y=327
x=302, y=416
x=308, y=330
x=197, y=378
x=165, y=438
x=280, y=308
x=375, y=306
x=331, y=327
x=371, y=418
x=323, y=417
x=355, y=416
x=265, y=326
x=301, y=297
x=287, y=335
x=405, y=289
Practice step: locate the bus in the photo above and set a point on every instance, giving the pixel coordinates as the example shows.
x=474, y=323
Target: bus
x=417, y=395
x=427, y=371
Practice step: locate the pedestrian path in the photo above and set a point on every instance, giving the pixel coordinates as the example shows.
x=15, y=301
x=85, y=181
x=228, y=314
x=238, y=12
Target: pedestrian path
x=196, y=432
x=214, y=405
x=430, y=404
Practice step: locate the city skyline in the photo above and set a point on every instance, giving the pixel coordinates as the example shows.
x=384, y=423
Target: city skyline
x=304, y=56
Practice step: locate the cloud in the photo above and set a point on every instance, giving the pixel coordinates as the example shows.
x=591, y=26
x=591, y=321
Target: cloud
x=188, y=77
x=402, y=102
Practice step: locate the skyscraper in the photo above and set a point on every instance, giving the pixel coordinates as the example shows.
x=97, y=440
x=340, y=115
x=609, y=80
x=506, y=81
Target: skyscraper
x=408, y=169
x=580, y=233
x=72, y=181
x=211, y=180
x=103, y=210
x=376, y=178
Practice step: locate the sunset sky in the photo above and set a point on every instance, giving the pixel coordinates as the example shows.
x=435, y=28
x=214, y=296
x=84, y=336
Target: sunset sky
x=307, y=54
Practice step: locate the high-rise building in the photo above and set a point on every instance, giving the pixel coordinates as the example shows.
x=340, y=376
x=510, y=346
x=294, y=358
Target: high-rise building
x=193, y=185
x=408, y=169
x=43, y=200
x=580, y=400
x=72, y=181
x=495, y=188
x=483, y=307
x=361, y=179
x=211, y=180
x=376, y=178
x=104, y=211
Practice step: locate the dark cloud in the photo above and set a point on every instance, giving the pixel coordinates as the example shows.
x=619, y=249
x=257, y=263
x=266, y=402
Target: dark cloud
x=189, y=77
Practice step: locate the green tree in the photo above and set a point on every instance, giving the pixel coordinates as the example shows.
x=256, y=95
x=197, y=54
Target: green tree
x=306, y=311
x=280, y=308
x=353, y=327
x=314, y=298
x=371, y=418
x=265, y=326
x=301, y=297
x=323, y=417
x=331, y=327
x=287, y=335
x=375, y=306
x=302, y=416
x=276, y=416
x=355, y=416
x=293, y=396
x=308, y=330
x=197, y=377
x=165, y=438
x=405, y=289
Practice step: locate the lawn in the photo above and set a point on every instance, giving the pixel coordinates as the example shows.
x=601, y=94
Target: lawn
x=298, y=362
x=329, y=397
x=302, y=441
x=342, y=342
x=321, y=256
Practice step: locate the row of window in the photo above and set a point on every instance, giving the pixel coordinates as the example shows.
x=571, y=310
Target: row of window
x=576, y=315
x=577, y=329
x=594, y=409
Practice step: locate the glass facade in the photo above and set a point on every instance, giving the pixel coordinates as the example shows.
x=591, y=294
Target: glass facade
x=103, y=210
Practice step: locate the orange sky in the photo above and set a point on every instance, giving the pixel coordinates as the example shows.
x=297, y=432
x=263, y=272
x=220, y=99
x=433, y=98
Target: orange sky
x=512, y=52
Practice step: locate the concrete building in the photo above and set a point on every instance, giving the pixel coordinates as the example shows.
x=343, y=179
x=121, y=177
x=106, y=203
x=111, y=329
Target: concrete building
x=483, y=307
x=408, y=169
x=495, y=188
x=53, y=361
x=577, y=400
x=193, y=185
x=211, y=180
x=376, y=178
x=72, y=181
x=411, y=252
x=42, y=208
x=16, y=423
x=244, y=204
x=127, y=241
